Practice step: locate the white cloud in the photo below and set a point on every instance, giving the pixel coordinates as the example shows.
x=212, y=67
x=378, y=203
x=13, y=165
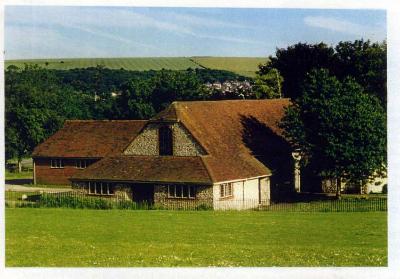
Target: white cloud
x=100, y=17
x=192, y=20
x=340, y=25
x=229, y=39
x=72, y=31
x=36, y=42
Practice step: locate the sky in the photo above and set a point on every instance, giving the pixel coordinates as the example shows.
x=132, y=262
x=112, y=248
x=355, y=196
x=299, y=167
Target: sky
x=73, y=32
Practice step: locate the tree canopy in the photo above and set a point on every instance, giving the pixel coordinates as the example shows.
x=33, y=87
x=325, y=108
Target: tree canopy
x=339, y=129
x=35, y=107
x=362, y=60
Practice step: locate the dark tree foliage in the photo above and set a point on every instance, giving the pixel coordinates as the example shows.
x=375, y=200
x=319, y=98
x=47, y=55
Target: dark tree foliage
x=295, y=62
x=362, y=60
x=99, y=79
x=35, y=107
x=366, y=62
x=339, y=129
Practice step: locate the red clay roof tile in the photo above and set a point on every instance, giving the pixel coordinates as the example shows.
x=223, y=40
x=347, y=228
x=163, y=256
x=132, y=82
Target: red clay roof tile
x=90, y=138
x=151, y=169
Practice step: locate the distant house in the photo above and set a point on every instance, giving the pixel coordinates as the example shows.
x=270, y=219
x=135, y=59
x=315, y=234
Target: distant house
x=213, y=153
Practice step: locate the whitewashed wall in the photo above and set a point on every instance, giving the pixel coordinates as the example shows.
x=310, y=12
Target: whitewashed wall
x=245, y=195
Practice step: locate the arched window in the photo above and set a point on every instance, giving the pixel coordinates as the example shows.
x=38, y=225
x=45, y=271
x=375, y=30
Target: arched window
x=165, y=140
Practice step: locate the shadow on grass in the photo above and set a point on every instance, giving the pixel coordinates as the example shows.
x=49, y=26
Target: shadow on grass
x=19, y=181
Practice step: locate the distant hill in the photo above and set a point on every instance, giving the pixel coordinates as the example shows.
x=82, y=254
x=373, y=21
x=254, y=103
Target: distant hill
x=245, y=66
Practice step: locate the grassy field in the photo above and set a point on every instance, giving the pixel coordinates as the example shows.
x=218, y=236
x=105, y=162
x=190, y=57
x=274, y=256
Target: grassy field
x=111, y=238
x=246, y=66
x=22, y=175
x=132, y=63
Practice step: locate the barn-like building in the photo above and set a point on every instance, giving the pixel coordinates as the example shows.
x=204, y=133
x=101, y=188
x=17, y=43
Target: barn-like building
x=214, y=153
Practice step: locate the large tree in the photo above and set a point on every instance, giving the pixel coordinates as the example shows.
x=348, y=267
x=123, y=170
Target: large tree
x=35, y=107
x=338, y=128
x=268, y=84
x=362, y=60
x=294, y=62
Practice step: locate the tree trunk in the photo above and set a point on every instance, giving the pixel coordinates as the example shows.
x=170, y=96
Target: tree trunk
x=19, y=165
x=338, y=188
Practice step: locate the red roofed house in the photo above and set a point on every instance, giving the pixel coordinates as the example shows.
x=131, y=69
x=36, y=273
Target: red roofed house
x=213, y=153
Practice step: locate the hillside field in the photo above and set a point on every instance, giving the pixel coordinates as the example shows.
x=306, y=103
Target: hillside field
x=126, y=238
x=246, y=66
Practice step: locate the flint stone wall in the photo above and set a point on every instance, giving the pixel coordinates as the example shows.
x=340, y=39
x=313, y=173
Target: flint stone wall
x=146, y=143
x=204, y=198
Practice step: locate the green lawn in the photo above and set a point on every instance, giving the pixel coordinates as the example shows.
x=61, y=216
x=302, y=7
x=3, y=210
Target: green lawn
x=15, y=175
x=67, y=237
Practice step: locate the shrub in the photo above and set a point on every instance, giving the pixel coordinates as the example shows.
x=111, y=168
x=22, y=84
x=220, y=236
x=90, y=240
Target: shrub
x=61, y=200
x=384, y=189
x=203, y=206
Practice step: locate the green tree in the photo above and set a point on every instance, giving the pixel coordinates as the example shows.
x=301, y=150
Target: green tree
x=294, y=62
x=135, y=100
x=362, y=60
x=172, y=86
x=35, y=107
x=268, y=84
x=366, y=63
x=338, y=128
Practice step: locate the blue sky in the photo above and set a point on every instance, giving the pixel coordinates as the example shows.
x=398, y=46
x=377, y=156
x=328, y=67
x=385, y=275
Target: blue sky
x=54, y=32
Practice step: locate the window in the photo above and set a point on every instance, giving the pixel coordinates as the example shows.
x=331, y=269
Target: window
x=100, y=188
x=165, y=140
x=225, y=190
x=181, y=191
x=57, y=163
x=81, y=164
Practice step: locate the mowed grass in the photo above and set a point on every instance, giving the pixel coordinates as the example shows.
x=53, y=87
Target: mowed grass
x=246, y=66
x=18, y=175
x=128, y=63
x=115, y=238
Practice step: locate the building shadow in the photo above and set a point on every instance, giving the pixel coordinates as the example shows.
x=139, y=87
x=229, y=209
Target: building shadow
x=274, y=152
x=19, y=181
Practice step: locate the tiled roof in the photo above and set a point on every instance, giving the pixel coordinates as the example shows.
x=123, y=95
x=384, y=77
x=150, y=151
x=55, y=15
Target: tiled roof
x=90, y=138
x=156, y=169
x=226, y=129
x=223, y=127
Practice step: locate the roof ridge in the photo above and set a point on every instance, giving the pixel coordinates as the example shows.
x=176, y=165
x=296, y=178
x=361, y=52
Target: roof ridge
x=106, y=120
x=230, y=101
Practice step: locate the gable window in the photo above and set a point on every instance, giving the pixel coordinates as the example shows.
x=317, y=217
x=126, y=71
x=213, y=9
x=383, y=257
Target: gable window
x=181, y=191
x=165, y=141
x=225, y=190
x=81, y=164
x=100, y=188
x=57, y=163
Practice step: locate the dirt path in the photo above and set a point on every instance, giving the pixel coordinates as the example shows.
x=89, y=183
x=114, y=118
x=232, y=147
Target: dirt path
x=19, y=188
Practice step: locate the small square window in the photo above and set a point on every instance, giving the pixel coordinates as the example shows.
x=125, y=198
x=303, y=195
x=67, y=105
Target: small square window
x=56, y=163
x=225, y=190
